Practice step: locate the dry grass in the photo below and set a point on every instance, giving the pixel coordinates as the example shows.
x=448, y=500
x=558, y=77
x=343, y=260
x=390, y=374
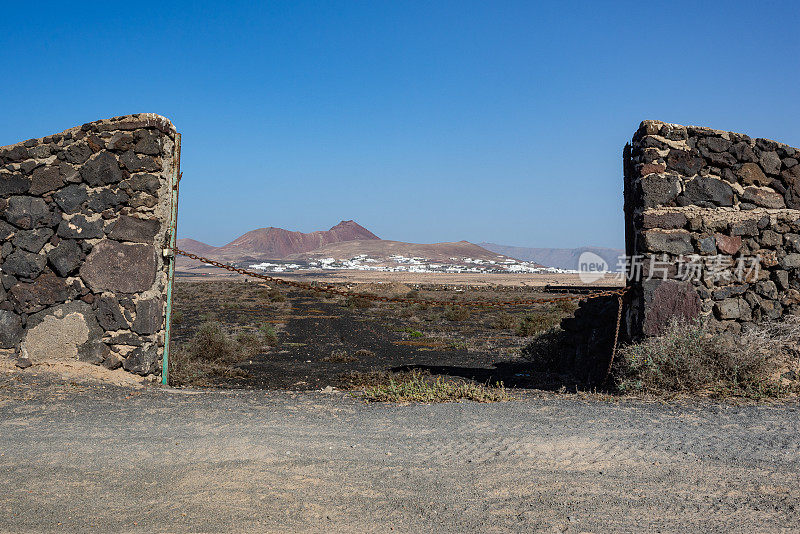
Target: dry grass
x=540, y=321
x=689, y=358
x=457, y=313
x=212, y=354
x=418, y=386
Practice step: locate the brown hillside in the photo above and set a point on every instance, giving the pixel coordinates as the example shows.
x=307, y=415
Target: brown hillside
x=194, y=246
x=277, y=243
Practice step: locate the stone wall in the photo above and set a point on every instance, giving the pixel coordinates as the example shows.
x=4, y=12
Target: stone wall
x=84, y=217
x=713, y=227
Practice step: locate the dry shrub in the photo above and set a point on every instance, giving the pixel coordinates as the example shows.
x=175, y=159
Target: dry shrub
x=504, y=321
x=457, y=313
x=357, y=302
x=538, y=322
x=211, y=354
x=689, y=357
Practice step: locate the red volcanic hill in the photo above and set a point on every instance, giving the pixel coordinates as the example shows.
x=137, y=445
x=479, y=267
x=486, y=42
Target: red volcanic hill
x=277, y=243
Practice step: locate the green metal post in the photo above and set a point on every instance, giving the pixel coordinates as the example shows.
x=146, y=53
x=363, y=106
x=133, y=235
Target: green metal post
x=170, y=256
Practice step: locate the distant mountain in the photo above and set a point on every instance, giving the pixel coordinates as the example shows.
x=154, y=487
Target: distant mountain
x=561, y=258
x=277, y=243
x=343, y=242
x=194, y=246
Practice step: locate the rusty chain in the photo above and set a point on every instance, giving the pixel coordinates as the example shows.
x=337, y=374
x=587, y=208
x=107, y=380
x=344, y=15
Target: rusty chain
x=405, y=300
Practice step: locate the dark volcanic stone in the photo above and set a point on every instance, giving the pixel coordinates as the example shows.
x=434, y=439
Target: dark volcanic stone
x=143, y=360
x=659, y=189
x=15, y=154
x=721, y=159
x=71, y=198
x=748, y=227
x=94, y=352
x=45, y=291
x=45, y=179
x=65, y=257
x=143, y=182
x=674, y=242
x=148, y=316
x=79, y=227
x=78, y=153
x=666, y=299
x=24, y=264
x=730, y=291
x=136, y=163
x=663, y=220
x=103, y=199
x=147, y=142
x=707, y=245
x=120, y=267
x=134, y=229
x=715, y=144
x=109, y=314
x=770, y=162
x=120, y=141
x=103, y=170
x=685, y=163
x=13, y=184
x=764, y=197
x=10, y=329
x=28, y=212
x=743, y=152
x=32, y=240
x=6, y=231
x=707, y=189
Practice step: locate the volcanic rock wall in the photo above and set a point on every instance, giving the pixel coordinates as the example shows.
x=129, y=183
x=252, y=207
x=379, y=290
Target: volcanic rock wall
x=712, y=228
x=84, y=217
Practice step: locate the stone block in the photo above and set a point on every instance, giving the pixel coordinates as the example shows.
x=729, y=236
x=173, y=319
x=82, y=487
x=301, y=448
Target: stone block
x=674, y=242
x=764, y=197
x=46, y=290
x=134, y=229
x=149, y=315
x=65, y=257
x=24, y=264
x=120, y=267
x=668, y=299
x=10, y=329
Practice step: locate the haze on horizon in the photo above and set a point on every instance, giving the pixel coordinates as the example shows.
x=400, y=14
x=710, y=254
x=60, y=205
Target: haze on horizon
x=423, y=122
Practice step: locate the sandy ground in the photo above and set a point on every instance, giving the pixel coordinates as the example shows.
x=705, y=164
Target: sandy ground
x=355, y=277
x=78, y=457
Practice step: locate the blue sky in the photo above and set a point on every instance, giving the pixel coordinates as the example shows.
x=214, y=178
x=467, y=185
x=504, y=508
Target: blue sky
x=423, y=121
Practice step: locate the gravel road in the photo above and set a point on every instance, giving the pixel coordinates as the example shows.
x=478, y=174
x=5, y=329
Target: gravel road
x=89, y=458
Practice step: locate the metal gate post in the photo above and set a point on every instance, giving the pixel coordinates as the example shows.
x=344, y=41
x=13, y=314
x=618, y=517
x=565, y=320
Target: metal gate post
x=170, y=255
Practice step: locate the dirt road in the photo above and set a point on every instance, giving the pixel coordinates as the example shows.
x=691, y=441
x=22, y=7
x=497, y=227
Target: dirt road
x=77, y=458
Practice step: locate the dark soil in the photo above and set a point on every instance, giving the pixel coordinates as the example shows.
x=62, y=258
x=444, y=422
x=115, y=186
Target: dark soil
x=324, y=341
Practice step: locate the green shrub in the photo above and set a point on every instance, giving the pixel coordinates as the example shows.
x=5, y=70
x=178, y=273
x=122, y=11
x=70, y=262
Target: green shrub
x=269, y=334
x=416, y=386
